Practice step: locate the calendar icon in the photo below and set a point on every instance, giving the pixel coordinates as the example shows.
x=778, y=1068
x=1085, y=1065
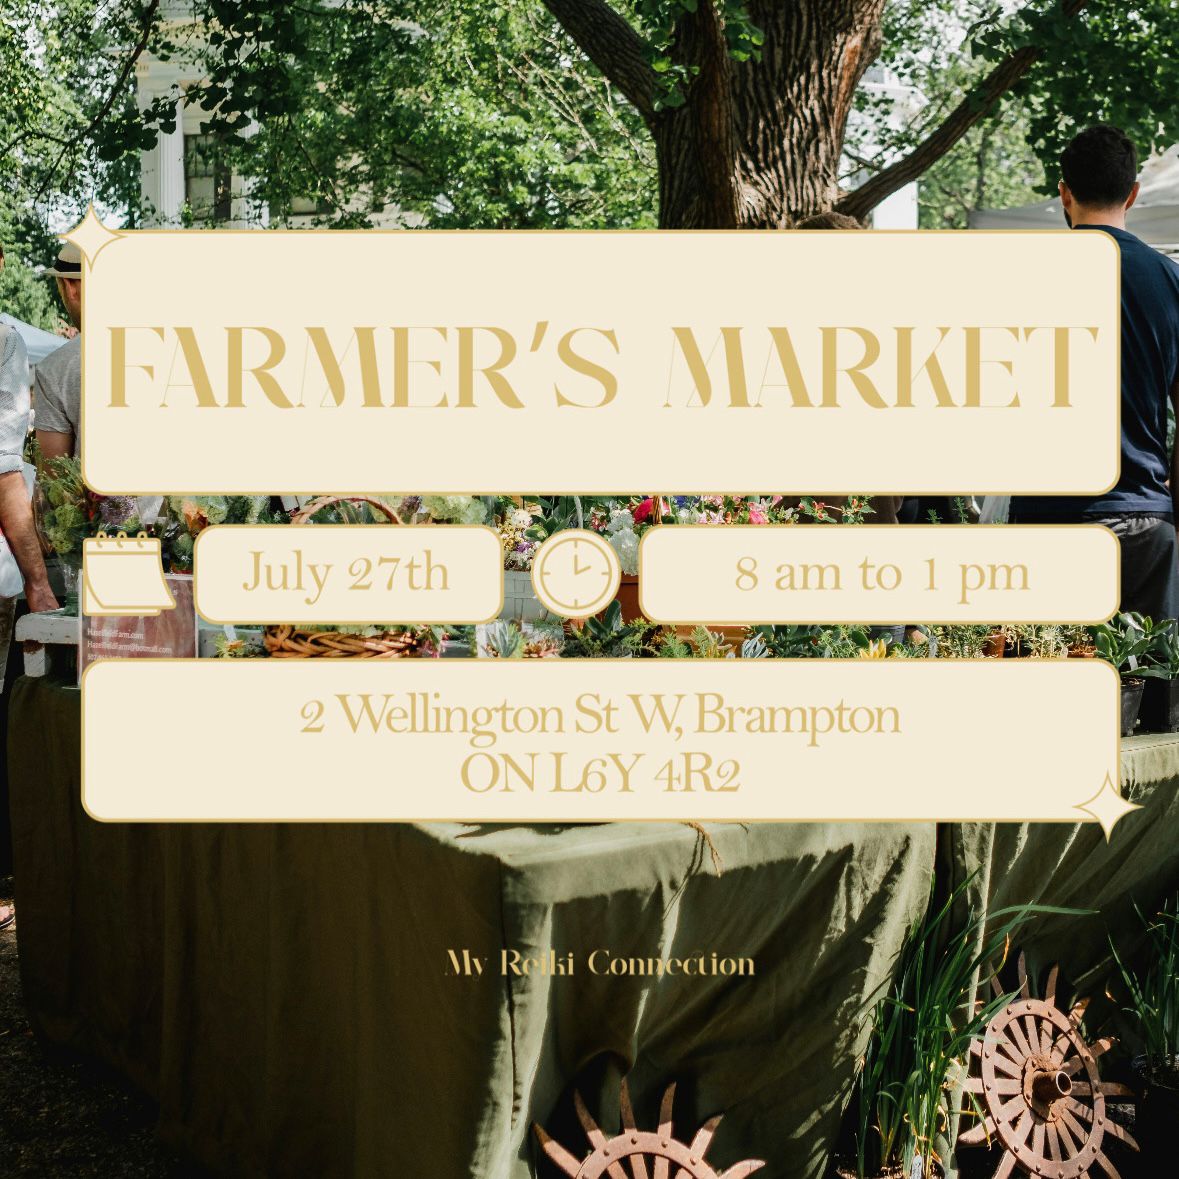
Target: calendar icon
x=123, y=575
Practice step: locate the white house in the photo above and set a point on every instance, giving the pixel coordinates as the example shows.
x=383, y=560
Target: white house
x=898, y=211
x=180, y=179
x=182, y=184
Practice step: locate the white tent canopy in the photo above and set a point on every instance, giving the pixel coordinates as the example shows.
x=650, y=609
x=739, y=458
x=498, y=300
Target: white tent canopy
x=38, y=344
x=1154, y=217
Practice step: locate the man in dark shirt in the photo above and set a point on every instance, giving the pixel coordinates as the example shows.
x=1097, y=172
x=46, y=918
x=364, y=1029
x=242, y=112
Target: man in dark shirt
x=1100, y=170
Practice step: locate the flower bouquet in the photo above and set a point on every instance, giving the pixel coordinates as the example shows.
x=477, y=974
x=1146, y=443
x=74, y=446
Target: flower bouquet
x=68, y=513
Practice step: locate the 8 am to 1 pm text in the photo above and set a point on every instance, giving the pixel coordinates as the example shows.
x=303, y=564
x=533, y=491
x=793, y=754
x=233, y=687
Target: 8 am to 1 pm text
x=968, y=580
x=879, y=574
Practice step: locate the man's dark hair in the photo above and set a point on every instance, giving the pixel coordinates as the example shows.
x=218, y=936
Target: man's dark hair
x=1100, y=166
x=828, y=220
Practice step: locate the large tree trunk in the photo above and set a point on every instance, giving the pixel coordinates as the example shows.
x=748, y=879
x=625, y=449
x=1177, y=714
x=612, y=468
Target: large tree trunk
x=757, y=144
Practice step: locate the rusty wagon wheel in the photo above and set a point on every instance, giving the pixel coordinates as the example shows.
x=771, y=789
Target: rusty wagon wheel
x=641, y=1154
x=1039, y=1087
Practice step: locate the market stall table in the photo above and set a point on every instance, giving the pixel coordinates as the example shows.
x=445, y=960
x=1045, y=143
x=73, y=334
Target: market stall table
x=282, y=991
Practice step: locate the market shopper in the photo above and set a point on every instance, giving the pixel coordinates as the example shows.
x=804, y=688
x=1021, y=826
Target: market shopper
x=1099, y=186
x=16, y=512
x=57, y=392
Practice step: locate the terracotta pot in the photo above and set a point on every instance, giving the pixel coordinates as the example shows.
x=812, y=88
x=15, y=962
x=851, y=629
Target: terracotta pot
x=995, y=645
x=628, y=597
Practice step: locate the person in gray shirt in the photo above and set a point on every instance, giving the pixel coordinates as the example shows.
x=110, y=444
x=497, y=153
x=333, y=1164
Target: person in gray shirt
x=57, y=400
x=57, y=393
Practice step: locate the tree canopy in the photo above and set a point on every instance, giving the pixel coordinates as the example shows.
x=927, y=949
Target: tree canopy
x=540, y=114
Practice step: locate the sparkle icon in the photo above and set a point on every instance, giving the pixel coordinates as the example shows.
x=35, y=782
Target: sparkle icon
x=1107, y=806
x=91, y=236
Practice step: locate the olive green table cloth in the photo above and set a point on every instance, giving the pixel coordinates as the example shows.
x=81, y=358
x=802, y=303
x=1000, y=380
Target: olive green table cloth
x=281, y=991
x=286, y=993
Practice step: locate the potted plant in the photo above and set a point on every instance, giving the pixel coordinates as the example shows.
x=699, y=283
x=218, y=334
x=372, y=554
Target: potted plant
x=609, y=636
x=1041, y=642
x=1152, y=1004
x=921, y=1028
x=1125, y=643
x=967, y=641
x=1160, y=696
x=507, y=639
x=1079, y=641
x=621, y=526
x=515, y=524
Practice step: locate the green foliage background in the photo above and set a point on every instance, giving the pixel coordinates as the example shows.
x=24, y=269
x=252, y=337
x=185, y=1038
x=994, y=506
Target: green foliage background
x=484, y=113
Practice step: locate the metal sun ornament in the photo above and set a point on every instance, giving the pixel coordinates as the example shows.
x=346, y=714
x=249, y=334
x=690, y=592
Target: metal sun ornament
x=1038, y=1085
x=641, y=1154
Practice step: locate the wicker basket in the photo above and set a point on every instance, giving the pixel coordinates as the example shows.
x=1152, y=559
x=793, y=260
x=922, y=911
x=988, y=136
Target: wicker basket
x=292, y=642
x=327, y=501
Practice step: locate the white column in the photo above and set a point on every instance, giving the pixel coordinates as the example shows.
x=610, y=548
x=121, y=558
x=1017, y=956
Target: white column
x=149, y=183
x=161, y=170
x=170, y=154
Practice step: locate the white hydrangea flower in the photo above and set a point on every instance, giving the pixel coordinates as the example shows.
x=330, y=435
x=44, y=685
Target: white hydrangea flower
x=626, y=544
x=520, y=518
x=620, y=519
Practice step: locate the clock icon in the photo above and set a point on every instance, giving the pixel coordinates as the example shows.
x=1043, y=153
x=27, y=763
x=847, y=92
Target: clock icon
x=576, y=573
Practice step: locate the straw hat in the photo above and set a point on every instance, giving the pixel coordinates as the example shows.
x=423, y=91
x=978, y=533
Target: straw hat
x=68, y=264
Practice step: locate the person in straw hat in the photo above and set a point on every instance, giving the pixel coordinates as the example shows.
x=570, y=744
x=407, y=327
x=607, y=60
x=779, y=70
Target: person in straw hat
x=57, y=390
x=16, y=511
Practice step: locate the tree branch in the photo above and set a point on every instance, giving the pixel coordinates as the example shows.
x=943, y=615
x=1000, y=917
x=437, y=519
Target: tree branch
x=146, y=26
x=976, y=106
x=613, y=46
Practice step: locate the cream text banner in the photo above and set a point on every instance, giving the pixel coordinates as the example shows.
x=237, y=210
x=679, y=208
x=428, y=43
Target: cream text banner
x=268, y=362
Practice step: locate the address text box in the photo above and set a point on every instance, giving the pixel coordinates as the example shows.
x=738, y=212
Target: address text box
x=782, y=740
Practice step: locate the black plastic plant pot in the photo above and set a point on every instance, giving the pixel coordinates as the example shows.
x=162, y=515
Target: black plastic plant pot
x=1156, y=1081
x=1160, y=706
x=1131, y=702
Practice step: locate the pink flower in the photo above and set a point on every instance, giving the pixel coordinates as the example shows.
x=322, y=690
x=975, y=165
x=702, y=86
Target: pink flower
x=757, y=514
x=643, y=510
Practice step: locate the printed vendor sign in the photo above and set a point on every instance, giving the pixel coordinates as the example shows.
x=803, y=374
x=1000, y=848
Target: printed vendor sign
x=171, y=634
